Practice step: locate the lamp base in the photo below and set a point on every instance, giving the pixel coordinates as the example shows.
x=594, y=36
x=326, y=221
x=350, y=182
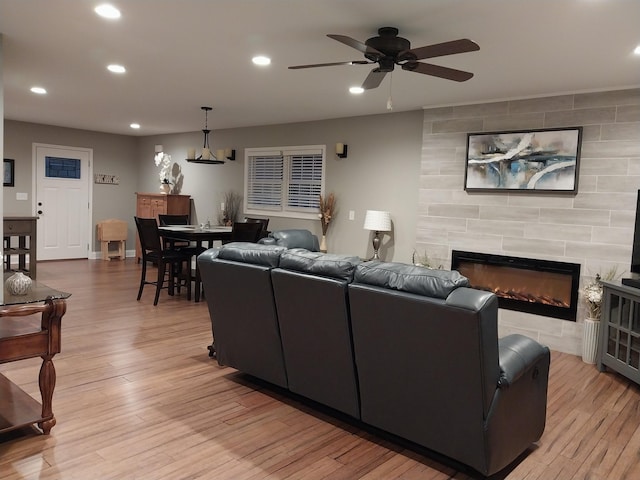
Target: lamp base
x=376, y=246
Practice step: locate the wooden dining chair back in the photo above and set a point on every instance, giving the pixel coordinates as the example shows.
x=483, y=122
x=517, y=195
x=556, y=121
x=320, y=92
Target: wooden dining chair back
x=263, y=221
x=246, y=231
x=173, y=220
x=154, y=252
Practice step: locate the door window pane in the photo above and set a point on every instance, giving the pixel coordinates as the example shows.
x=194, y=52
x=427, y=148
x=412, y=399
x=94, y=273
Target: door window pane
x=56, y=167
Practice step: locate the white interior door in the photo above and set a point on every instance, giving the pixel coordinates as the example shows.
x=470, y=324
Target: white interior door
x=61, y=201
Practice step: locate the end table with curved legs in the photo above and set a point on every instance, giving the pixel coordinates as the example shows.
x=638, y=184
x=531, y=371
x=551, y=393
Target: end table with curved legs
x=21, y=338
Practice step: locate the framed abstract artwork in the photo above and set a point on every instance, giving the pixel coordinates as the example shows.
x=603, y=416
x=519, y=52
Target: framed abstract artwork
x=544, y=160
x=9, y=172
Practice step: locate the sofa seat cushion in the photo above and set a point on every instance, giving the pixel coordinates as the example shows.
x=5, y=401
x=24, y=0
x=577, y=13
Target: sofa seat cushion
x=410, y=278
x=246, y=252
x=325, y=264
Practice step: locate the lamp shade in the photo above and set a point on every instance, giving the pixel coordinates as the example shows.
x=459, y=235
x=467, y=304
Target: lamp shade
x=377, y=221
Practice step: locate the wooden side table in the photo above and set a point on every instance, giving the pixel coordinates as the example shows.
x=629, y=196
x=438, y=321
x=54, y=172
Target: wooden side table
x=24, y=229
x=22, y=338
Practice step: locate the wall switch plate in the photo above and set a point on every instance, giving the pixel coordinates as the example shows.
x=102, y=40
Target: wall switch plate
x=352, y=215
x=22, y=196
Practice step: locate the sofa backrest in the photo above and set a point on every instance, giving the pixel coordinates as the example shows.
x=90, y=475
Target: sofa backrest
x=342, y=267
x=293, y=238
x=311, y=295
x=239, y=292
x=434, y=351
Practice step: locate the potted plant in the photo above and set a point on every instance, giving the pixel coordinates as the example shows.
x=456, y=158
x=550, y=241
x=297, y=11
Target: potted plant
x=592, y=293
x=164, y=160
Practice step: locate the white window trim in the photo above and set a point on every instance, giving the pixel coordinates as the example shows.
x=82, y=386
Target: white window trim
x=281, y=210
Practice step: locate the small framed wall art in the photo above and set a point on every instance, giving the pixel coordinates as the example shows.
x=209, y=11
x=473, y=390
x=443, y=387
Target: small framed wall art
x=9, y=172
x=544, y=161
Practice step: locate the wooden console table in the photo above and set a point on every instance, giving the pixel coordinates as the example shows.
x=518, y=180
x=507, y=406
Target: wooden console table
x=22, y=337
x=24, y=228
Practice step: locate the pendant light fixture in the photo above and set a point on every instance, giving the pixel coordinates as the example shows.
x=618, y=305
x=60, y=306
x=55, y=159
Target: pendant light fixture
x=207, y=155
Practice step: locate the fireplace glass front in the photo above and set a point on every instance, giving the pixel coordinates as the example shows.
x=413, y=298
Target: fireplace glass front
x=524, y=284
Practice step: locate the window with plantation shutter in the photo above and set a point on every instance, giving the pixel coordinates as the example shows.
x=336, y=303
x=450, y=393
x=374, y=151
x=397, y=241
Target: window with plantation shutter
x=264, y=182
x=284, y=181
x=305, y=181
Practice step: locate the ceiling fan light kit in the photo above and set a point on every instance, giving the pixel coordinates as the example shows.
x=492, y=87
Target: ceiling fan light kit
x=389, y=50
x=206, y=156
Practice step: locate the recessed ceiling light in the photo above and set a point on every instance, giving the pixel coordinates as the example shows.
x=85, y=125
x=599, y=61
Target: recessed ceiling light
x=356, y=90
x=107, y=11
x=135, y=125
x=261, y=60
x=38, y=90
x=116, y=68
x=637, y=50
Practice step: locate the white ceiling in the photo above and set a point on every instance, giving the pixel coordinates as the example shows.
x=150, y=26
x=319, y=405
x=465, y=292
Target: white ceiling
x=183, y=54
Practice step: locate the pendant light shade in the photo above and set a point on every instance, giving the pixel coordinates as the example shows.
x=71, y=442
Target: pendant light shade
x=207, y=155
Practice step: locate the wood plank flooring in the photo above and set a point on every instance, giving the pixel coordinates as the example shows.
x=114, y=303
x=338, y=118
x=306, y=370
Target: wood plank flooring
x=137, y=397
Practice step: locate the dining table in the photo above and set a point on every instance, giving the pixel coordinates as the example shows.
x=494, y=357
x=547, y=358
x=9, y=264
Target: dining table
x=202, y=236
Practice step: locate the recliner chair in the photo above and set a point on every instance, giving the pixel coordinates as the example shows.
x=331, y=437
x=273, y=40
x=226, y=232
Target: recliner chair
x=293, y=238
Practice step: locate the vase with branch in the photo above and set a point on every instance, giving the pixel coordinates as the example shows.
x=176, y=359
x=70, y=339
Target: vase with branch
x=327, y=209
x=230, y=208
x=592, y=293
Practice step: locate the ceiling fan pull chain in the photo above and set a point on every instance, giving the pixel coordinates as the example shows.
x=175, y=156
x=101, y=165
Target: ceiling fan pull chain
x=390, y=99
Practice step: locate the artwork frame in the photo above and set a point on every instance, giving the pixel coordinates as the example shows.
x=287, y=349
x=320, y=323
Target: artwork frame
x=524, y=161
x=9, y=172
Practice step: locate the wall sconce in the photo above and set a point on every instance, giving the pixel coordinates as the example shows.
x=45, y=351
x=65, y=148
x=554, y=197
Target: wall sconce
x=377, y=222
x=159, y=149
x=341, y=150
x=228, y=153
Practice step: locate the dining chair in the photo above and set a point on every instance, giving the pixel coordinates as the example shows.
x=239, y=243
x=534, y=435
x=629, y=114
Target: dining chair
x=263, y=221
x=153, y=252
x=246, y=232
x=165, y=220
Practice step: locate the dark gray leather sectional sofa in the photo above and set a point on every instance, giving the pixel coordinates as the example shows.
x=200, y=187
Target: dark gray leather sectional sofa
x=408, y=350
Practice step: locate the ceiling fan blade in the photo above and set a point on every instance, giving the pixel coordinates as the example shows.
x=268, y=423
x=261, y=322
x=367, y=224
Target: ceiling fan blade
x=352, y=42
x=438, y=71
x=439, y=49
x=354, y=62
x=374, y=79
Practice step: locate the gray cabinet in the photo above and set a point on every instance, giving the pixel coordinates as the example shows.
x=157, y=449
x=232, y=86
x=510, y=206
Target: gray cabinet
x=620, y=330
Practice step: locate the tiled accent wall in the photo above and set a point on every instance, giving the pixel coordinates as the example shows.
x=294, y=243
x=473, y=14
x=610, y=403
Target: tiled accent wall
x=593, y=228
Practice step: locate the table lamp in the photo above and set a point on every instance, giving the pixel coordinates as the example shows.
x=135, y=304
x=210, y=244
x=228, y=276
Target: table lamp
x=377, y=221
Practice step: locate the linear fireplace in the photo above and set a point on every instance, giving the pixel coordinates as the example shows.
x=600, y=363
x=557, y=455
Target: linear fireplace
x=528, y=285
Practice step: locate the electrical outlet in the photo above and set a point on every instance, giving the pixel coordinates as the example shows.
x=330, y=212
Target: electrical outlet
x=352, y=215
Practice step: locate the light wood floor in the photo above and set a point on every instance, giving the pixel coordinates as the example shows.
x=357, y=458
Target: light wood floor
x=138, y=397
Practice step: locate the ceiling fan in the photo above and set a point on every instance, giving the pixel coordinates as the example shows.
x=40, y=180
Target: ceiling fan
x=389, y=50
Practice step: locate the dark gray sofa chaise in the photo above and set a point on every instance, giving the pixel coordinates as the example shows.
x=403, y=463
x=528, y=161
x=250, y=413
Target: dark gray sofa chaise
x=408, y=350
x=432, y=370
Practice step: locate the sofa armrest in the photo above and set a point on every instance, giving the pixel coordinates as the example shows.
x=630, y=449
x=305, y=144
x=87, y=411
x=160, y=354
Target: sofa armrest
x=517, y=355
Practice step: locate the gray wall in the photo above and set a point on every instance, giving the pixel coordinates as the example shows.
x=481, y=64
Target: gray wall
x=112, y=154
x=380, y=173
x=593, y=228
